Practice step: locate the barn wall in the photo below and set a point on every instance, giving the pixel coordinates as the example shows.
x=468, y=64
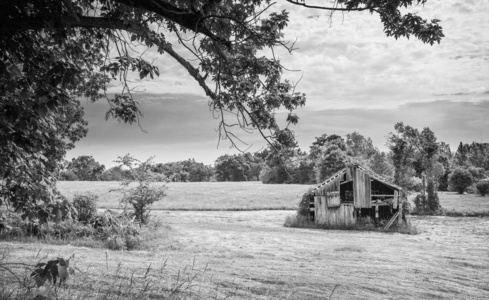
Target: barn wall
x=338, y=216
x=361, y=189
x=328, y=195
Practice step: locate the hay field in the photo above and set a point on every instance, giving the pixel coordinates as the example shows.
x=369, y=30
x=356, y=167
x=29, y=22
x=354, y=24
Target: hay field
x=250, y=255
x=200, y=195
x=237, y=196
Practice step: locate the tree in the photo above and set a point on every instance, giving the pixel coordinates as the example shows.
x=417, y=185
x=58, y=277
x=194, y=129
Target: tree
x=56, y=50
x=86, y=168
x=200, y=172
x=445, y=158
x=460, y=179
x=332, y=158
x=420, y=149
x=360, y=146
x=380, y=164
x=232, y=168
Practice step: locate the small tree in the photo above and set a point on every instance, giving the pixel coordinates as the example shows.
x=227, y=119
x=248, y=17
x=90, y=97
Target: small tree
x=145, y=193
x=460, y=179
x=483, y=187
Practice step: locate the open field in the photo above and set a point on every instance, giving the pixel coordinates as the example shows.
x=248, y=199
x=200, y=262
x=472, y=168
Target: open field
x=250, y=255
x=466, y=202
x=200, y=195
x=238, y=196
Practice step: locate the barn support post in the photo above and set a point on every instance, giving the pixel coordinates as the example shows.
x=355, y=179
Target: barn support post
x=399, y=220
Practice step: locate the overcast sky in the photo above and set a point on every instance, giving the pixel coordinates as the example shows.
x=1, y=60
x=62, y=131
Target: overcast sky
x=355, y=78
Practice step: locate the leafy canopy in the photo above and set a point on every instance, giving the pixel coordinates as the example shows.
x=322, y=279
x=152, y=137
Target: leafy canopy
x=54, y=51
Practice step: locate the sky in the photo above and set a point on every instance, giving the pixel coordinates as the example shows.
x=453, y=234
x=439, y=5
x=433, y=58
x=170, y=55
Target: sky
x=355, y=79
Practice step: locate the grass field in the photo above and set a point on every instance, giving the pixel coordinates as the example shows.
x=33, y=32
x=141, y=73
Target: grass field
x=237, y=196
x=251, y=255
x=200, y=195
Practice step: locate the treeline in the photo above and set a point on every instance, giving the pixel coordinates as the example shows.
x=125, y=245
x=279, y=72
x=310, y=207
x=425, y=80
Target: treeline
x=414, y=155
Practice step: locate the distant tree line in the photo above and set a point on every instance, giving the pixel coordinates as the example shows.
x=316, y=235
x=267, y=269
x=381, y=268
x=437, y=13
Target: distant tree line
x=416, y=160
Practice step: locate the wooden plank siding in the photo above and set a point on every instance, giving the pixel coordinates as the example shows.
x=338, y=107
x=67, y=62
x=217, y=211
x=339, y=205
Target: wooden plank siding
x=333, y=199
x=339, y=216
x=361, y=189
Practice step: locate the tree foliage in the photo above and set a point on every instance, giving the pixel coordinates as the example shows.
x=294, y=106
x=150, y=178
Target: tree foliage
x=241, y=167
x=183, y=171
x=420, y=150
x=54, y=51
x=86, y=168
x=460, y=179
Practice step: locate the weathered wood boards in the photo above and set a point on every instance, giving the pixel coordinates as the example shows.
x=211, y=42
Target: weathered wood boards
x=391, y=221
x=333, y=199
x=338, y=216
x=396, y=200
x=361, y=189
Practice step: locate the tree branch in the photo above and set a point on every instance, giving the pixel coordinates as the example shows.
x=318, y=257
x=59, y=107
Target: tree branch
x=328, y=8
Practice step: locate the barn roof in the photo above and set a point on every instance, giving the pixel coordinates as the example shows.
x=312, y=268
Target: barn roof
x=372, y=174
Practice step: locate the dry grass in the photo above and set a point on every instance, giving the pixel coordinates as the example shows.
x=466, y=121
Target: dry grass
x=250, y=255
x=200, y=195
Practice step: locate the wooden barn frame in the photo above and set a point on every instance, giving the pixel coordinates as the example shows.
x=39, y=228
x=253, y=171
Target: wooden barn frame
x=353, y=193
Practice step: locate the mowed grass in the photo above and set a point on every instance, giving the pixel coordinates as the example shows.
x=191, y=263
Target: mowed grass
x=453, y=201
x=239, y=196
x=250, y=255
x=200, y=195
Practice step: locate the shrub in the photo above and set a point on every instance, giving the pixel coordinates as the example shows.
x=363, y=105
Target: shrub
x=304, y=205
x=298, y=221
x=144, y=194
x=86, y=205
x=68, y=176
x=116, y=242
x=483, y=187
x=132, y=242
x=425, y=206
x=460, y=179
x=414, y=184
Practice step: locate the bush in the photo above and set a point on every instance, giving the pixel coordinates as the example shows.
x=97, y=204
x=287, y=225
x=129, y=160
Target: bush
x=116, y=242
x=459, y=180
x=68, y=176
x=116, y=231
x=483, y=187
x=86, y=205
x=304, y=205
x=477, y=173
x=414, y=184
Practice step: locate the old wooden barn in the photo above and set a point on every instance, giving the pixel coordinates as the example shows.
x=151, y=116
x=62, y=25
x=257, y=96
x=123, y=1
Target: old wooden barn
x=354, y=193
